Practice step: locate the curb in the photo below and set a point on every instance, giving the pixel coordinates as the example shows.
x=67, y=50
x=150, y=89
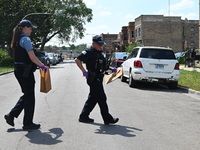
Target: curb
x=6, y=73
x=190, y=91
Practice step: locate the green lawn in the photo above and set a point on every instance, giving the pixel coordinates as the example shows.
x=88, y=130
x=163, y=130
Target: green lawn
x=5, y=69
x=190, y=79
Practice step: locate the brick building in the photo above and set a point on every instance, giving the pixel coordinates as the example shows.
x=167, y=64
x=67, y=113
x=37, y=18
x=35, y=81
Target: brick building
x=131, y=32
x=157, y=30
x=124, y=38
x=109, y=38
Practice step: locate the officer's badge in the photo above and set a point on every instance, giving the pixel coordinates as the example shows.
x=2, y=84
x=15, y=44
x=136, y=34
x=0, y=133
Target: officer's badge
x=84, y=52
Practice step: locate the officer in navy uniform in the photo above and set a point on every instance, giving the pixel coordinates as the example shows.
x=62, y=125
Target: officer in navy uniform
x=96, y=67
x=25, y=65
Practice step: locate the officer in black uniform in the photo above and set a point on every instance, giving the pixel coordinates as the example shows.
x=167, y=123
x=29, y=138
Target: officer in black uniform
x=96, y=67
x=25, y=65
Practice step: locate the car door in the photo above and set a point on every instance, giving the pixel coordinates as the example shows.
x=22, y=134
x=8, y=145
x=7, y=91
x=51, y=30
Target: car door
x=127, y=64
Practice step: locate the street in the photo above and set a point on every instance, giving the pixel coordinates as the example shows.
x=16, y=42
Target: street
x=151, y=117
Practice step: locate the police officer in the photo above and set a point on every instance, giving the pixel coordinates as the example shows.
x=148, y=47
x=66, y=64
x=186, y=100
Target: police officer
x=96, y=67
x=25, y=65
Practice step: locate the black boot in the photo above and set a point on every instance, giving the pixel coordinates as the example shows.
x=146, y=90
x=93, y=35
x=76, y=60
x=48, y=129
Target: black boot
x=31, y=126
x=9, y=119
x=112, y=121
x=86, y=120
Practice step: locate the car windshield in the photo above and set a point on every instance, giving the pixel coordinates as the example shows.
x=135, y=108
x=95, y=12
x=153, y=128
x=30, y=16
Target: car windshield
x=157, y=54
x=120, y=55
x=50, y=54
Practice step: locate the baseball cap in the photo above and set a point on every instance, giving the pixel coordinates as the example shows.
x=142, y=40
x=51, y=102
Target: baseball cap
x=26, y=23
x=98, y=39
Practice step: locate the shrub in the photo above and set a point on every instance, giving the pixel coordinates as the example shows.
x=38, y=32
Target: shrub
x=6, y=62
x=3, y=54
x=181, y=60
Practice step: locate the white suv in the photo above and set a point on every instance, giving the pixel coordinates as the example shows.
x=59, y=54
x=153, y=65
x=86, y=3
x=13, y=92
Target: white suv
x=151, y=64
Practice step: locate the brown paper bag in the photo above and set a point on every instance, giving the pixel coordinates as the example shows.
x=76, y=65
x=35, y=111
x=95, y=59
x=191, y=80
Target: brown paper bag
x=45, y=81
x=113, y=76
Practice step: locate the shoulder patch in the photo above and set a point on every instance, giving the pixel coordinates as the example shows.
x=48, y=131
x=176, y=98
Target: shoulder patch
x=84, y=52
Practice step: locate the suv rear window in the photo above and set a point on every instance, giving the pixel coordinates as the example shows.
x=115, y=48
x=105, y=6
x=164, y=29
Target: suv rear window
x=157, y=54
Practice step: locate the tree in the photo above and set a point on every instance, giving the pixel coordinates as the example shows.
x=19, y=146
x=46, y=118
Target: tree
x=79, y=48
x=66, y=20
x=72, y=46
x=130, y=47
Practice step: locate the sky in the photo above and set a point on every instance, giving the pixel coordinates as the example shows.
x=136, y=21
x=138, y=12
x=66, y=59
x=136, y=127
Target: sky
x=110, y=15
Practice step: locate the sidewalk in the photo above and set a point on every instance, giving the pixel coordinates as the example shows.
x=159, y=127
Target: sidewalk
x=189, y=68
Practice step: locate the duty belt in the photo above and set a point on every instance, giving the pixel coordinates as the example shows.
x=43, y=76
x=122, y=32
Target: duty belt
x=19, y=63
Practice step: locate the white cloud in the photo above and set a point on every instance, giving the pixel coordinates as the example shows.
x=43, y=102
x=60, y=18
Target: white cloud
x=129, y=16
x=182, y=5
x=189, y=16
x=104, y=13
x=99, y=28
x=90, y=2
x=160, y=12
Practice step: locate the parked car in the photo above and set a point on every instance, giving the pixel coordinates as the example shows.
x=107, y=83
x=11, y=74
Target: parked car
x=43, y=57
x=57, y=59
x=179, y=54
x=117, y=58
x=52, y=58
x=151, y=64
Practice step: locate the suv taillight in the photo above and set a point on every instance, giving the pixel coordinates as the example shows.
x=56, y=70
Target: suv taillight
x=118, y=60
x=138, y=64
x=176, y=66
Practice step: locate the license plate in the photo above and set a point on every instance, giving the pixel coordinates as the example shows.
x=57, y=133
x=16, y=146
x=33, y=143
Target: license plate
x=159, y=66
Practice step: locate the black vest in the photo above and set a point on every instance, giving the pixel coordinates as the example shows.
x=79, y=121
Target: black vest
x=97, y=61
x=21, y=55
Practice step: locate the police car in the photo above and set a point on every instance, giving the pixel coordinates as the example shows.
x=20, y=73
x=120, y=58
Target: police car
x=151, y=64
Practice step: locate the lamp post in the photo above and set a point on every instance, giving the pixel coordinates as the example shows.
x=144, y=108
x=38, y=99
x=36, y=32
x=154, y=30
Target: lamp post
x=35, y=14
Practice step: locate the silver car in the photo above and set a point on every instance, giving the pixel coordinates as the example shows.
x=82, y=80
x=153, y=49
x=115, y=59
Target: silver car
x=52, y=58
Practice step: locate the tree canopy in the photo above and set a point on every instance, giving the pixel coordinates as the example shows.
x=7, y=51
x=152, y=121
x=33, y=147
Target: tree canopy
x=66, y=19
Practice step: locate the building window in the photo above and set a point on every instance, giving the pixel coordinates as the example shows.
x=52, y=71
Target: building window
x=136, y=33
x=125, y=37
x=192, y=29
x=132, y=34
x=192, y=44
x=139, y=32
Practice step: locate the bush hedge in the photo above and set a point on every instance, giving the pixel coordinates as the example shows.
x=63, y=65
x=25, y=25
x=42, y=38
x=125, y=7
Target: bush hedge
x=5, y=60
x=181, y=60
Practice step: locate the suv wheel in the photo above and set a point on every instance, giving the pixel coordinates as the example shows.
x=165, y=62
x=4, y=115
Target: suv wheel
x=132, y=82
x=172, y=85
x=123, y=79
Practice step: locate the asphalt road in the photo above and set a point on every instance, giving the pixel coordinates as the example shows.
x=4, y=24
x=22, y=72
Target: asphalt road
x=152, y=117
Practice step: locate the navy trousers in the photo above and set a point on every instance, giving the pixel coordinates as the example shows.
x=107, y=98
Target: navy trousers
x=96, y=96
x=27, y=101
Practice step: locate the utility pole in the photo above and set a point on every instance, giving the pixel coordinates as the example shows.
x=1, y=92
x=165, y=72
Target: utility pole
x=169, y=7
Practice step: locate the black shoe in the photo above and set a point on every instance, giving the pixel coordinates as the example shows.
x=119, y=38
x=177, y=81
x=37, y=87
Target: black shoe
x=32, y=126
x=9, y=119
x=86, y=120
x=112, y=121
